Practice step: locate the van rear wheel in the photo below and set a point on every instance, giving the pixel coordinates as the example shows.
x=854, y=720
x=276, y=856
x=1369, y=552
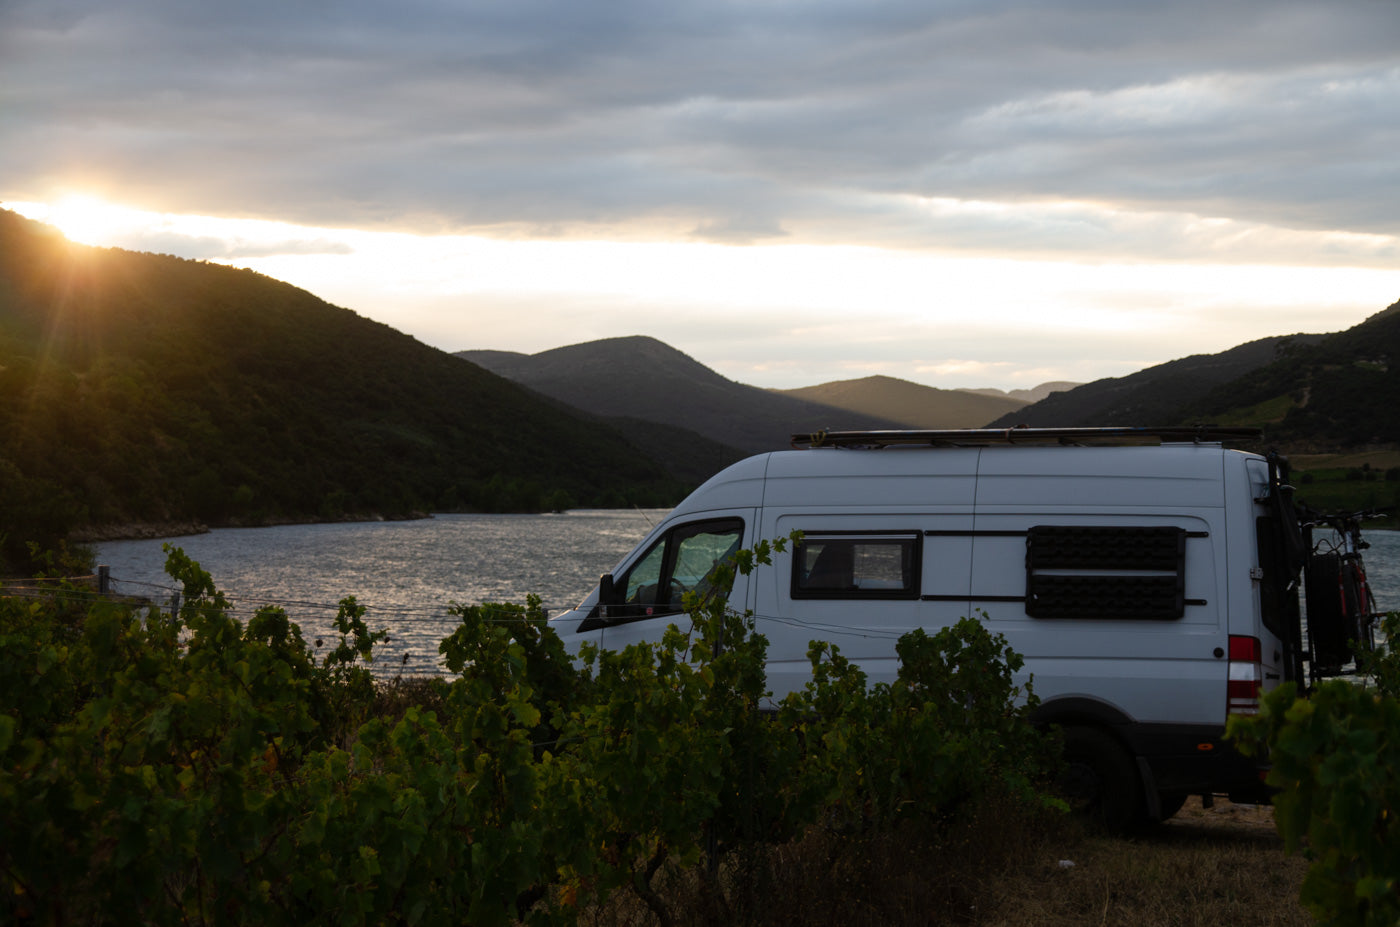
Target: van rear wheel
x=1100, y=780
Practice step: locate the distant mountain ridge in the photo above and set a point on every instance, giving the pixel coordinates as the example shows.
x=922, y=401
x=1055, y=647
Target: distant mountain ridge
x=639, y=377
x=1311, y=390
x=1034, y=394
x=912, y=405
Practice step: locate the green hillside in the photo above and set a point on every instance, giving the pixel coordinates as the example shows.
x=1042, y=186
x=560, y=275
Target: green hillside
x=1154, y=396
x=1337, y=394
x=1327, y=401
x=146, y=388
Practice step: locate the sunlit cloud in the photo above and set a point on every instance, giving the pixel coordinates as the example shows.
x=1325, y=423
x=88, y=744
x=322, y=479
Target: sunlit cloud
x=91, y=220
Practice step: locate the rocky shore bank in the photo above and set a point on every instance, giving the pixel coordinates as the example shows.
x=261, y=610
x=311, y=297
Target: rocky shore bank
x=145, y=531
x=133, y=531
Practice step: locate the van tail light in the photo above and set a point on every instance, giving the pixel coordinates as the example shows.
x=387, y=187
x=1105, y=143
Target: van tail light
x=1246, y=679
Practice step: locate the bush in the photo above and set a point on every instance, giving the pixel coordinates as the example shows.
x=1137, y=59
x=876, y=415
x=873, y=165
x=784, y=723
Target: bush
x=176, y=768
x=1336, y=763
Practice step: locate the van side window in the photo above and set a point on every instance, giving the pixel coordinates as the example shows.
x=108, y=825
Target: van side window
x=1106, y=572
x=683, y=560
x=857, y=565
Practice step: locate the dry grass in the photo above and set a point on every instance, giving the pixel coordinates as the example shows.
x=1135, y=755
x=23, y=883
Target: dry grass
x=1205, y=867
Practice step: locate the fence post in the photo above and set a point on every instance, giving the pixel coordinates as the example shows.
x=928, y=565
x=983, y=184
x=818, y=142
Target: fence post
x=104, y=580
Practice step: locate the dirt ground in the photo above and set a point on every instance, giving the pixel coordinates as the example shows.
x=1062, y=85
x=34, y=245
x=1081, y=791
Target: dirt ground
x=1224, y=814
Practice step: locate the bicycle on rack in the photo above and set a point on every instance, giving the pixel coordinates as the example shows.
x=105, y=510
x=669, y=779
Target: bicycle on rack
x=1342, y=614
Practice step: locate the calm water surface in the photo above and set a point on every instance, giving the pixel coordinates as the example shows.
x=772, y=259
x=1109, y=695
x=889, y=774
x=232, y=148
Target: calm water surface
x=408, y=573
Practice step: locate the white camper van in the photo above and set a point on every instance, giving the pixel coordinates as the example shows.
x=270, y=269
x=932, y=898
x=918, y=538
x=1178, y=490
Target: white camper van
x=1148, y=576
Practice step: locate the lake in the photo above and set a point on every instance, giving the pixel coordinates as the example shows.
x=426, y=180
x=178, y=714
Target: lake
x=407, y=573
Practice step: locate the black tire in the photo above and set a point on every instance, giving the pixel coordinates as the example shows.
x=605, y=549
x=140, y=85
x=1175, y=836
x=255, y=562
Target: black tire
x=1101, y=781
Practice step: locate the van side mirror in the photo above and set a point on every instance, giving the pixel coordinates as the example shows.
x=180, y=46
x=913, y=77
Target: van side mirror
x=607, y=594
x=607, y=599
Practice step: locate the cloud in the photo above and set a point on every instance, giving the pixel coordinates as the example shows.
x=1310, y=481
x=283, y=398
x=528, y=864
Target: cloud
x=711, y=120
x=208, y=247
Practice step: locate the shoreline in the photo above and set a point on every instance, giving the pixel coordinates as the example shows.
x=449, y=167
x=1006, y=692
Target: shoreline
x=150, y=531
x=136, y=531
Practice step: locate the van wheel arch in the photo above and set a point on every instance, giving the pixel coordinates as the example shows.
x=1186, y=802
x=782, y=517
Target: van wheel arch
x=1078, y=711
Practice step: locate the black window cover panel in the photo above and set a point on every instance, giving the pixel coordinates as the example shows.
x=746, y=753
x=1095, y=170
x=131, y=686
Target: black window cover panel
x=1132, y=572
x=1121, y=596
x=1070, y=547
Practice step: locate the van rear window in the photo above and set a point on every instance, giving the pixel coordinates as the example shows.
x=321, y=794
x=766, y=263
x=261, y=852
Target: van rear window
x=857, y=565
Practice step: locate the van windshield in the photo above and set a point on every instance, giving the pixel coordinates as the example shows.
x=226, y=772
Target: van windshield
x=684, y=560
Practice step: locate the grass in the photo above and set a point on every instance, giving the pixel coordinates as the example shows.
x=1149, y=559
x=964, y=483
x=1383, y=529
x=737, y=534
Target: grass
x=1001, y=868
x=1204, y=867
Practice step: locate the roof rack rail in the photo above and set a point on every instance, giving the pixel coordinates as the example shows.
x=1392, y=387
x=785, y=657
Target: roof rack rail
x=976, y=437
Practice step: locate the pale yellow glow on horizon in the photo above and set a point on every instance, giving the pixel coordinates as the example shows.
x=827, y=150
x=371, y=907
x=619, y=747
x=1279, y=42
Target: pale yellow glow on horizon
x=459, y=291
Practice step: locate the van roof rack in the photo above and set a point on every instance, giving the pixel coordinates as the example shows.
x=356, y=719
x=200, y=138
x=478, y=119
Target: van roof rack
x=977, y=437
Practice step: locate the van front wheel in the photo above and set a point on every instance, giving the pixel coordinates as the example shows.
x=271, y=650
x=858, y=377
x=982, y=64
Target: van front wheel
x=1100, y=780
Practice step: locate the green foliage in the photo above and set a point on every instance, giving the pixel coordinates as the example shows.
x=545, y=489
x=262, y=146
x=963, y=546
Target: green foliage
x=1381, y=666
x=189, y=768
x=952, y=727
x=146, y=756
x=1336, y=762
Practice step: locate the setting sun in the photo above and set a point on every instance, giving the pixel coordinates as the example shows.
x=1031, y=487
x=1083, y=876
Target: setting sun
x=87, y=219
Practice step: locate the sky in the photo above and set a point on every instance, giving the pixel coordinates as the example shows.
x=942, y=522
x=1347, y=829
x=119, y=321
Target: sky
x=961, y=193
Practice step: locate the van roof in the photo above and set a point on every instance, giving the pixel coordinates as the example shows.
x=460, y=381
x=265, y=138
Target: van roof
x=1075, y=437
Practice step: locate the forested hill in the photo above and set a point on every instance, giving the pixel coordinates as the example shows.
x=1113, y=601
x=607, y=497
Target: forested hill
x=1153, y=396
x=1310, y=393
x=1341, y=391
x=141, y=387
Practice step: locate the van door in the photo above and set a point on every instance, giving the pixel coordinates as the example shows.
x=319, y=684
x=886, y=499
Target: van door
x=650, y=591
x=1267, y=609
